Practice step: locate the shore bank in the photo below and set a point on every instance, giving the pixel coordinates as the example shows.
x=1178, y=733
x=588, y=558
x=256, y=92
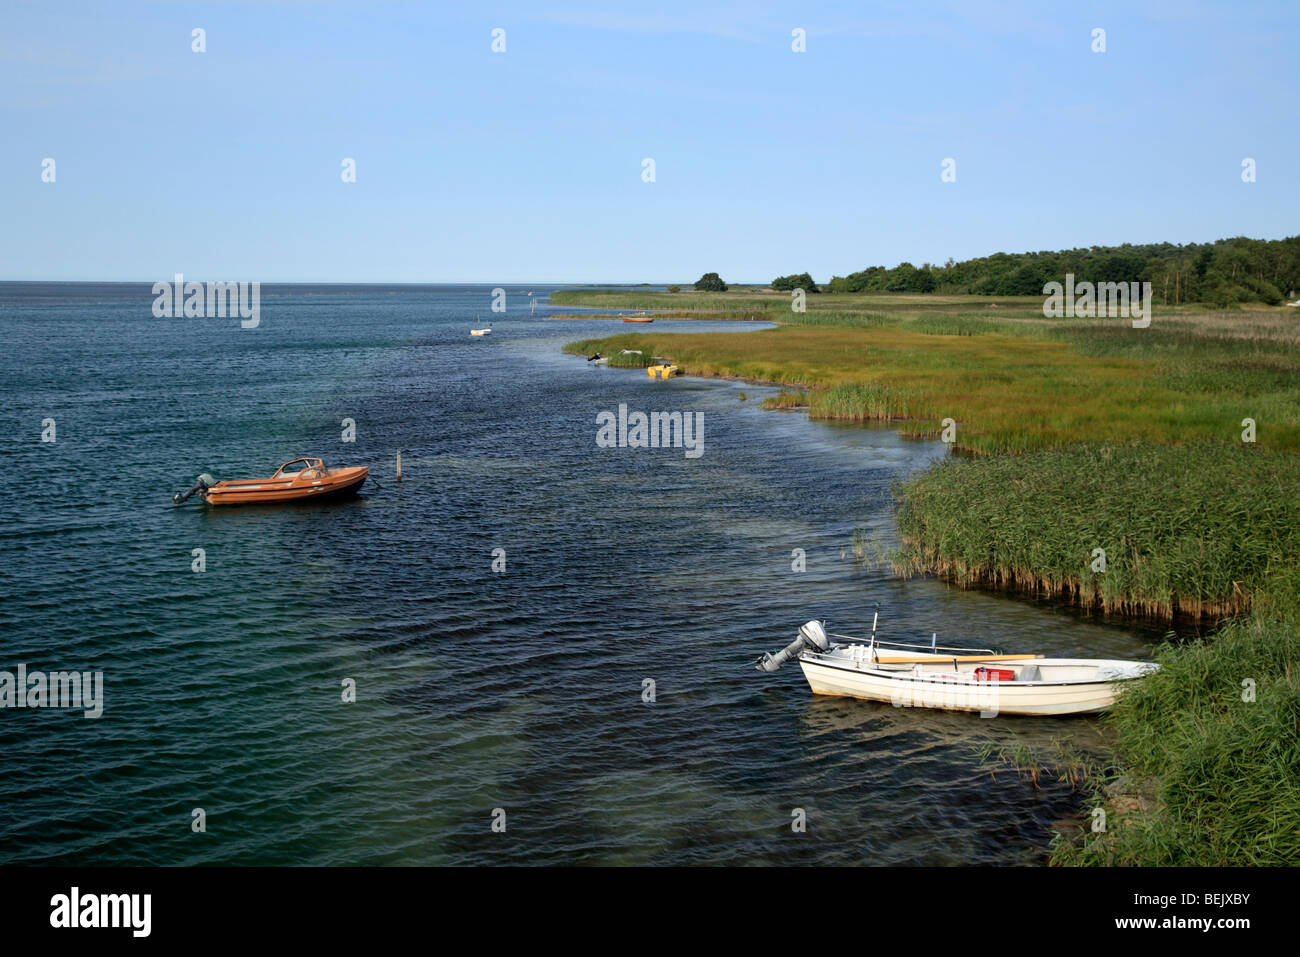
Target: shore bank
x=1171, y=449
x=672, y=314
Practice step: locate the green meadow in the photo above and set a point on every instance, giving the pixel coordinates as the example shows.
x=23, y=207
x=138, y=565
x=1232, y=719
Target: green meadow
x=1073, y=436
x=1010, y=379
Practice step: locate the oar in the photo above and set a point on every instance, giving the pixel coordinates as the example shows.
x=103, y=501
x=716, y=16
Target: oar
x=891, y=660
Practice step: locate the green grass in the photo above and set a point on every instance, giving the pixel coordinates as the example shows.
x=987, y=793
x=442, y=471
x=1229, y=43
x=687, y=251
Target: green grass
x=1205, y=530
x=1209, y=748
x=1012, y=380
x=1190, y=530
x=787, y=399
x=717, y=315
x=738, y=298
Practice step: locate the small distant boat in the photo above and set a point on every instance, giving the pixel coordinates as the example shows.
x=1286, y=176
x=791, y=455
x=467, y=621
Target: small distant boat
x=663, y=370
x=954, y=679
x=312, y=481
x=480, y=332
x=641, y=318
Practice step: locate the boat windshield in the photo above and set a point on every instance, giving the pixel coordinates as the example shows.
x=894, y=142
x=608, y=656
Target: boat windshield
x=296, y=466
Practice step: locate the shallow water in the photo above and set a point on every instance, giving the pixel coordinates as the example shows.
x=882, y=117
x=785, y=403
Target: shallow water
x=476, y=690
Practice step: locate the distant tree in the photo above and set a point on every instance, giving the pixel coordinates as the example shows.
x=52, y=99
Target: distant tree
x=1114, y=269
x=901, y=278
x=1222, y=273
x=796, y=281
x=674, y=288
x=710, y=282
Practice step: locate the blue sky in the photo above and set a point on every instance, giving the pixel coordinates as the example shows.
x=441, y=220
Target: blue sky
x=525, y=166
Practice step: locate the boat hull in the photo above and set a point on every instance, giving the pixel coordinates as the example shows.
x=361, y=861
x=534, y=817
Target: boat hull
x=338, y=483
x=906, y=690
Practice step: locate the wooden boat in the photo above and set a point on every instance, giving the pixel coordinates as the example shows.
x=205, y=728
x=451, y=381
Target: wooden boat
x=640, y=317
x=313, y=481
x=954, y=679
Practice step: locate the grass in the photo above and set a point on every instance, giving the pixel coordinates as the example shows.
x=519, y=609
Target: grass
x=739, y=298
x=1192, y=530
x=1209, y=748
x=787, y=399
x=734, y=315
x=1011, y=380
x=1006, y=392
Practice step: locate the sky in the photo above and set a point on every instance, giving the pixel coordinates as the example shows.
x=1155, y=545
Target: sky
x=527, y=165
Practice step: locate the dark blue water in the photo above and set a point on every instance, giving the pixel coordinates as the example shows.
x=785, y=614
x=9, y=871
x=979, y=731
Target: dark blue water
x=475, y=690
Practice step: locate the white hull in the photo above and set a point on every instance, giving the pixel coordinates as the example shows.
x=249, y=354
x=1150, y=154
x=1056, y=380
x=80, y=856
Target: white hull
x=1054, y=685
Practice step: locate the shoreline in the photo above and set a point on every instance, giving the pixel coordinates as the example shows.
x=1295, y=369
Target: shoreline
x=678, y=316
x=1186, y=510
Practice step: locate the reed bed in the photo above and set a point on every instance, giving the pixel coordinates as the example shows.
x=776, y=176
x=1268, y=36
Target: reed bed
x=715, y=315
x=1010, y=384
x=1204, y=768
x=1193, y=530
x=1208, y=756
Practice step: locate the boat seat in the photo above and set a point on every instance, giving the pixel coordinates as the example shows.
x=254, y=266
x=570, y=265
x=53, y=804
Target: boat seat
x=1030, y=673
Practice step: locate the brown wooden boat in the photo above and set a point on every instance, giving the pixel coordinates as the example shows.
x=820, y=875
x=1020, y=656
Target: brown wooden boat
x=312, y=480
x=638, y=319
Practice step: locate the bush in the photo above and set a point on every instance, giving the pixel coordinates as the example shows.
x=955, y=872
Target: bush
x=710, y=282
x=801, y=280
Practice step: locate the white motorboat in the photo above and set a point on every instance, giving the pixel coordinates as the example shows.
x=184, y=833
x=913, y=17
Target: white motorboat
x=480, y=332
x=954, y=679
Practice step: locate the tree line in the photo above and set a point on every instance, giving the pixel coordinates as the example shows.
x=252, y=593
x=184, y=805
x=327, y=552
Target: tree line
x=1222, y=273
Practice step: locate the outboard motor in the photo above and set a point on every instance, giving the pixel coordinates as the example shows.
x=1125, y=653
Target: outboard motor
x=812, y=637
x=202, y=483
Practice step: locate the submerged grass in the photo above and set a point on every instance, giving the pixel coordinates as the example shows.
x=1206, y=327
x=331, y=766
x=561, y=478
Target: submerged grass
x=787, y=399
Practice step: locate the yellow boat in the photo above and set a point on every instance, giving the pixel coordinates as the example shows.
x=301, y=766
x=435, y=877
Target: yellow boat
x=663, y=370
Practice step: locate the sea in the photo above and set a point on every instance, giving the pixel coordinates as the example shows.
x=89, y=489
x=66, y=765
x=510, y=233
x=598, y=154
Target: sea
x=533, y=649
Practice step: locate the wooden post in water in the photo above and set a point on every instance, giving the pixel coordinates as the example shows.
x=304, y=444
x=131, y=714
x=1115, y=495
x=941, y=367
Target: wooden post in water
x=399, y=465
